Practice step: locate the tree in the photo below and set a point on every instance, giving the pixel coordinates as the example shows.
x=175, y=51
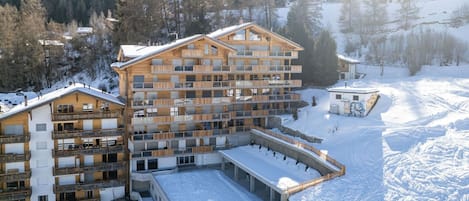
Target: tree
x=350, y=13
x=375, y=16
x=409, y=12
x=326, y=60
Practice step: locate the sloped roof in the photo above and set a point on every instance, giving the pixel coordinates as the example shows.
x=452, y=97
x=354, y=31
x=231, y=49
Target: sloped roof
x=154, y=50
x=353, y=90
x=231, y=29
x=133, y=51
x=49, y=97
x=347, y=59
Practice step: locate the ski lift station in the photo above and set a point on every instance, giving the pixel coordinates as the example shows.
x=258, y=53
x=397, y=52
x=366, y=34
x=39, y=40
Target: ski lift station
x=350, y=101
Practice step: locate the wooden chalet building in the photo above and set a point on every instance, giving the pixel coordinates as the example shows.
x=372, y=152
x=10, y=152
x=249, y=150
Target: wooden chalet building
x=191, y=97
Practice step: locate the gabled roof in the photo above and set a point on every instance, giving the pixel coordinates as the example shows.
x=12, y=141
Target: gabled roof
x=155, y=50
x=59, y=93
x=228, y=30
x=133, y=51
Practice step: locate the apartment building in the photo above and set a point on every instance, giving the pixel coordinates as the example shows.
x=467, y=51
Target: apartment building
x=65, y=145
x=191, y=97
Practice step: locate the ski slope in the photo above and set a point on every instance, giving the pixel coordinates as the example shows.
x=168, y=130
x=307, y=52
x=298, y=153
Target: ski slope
x=414, y=145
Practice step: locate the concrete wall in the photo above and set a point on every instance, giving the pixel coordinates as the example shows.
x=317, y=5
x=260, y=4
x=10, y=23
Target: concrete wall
x=291, y=152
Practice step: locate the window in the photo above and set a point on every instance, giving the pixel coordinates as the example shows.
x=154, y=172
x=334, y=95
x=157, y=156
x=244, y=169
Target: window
x=110, y=175
x=214, y=50
x=254, y=36
x=139, y=78
x=190, y=78
x=140, y=165
x=89, y=194
x=206, y=94
x=65, y=108
x=42, y=198
x=14, y=130
x=104, y=106
x=185, y=160
x=174, y=111
x=190, y=94
x=355, y=98
x=41, y=145
x=212, y=141
x=152, y=164
x=218, y=93
x=338, y=96
x=191, y=46
x=87, y=107
x=206, y=50
x=41, y=127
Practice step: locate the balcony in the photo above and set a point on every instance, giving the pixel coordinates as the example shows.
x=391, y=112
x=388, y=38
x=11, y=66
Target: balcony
x=153, y=153
x=195, y=69
x=265, y=54
x=266, y=68
x=267, y=83
x=10, y=157
x=181, y=118
x=139, y=104
x=85, y=134
x=85, y=115
x=250, y=114
x=14, y=176
x=87, y=186
x=268, y=98
x=192, y=53
x=192, y=85
x=15, y=194
x=180, y=134
x=5, y=139
x=97, y=167
x=80, y=150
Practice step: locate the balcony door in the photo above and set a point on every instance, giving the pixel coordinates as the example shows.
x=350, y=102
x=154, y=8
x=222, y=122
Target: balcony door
x=87, y=125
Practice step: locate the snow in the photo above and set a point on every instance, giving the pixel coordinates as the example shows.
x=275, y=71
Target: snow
x=43, y=99
x=223, y=31
x=278, y=172
x=414, y=144
x=353, y=90
x=347, y=59
x=202, y=185
x=133, y=51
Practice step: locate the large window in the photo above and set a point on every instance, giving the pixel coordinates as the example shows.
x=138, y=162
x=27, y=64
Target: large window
x=14, y=129
x=174, y=111
x=254, y=36
x=140, y=165
x=240, y=35
x=65, y=108
x=185, y=160
x=87, y=107
x=152, y=164
x=355, y=98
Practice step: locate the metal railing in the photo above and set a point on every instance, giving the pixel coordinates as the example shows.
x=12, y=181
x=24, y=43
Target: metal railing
x=89, y=133
x=14, y=176
x=96, y=167
x=13, y=157
x=15, y=194
x=89, y=150
x=88, y=185
x=4, y=139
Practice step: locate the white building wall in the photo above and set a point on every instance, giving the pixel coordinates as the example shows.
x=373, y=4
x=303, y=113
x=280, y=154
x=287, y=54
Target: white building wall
x=221, y=140
x=41, y=162
x=208, y=159
x=346, y=100
x=166, y=162
x=108, y=194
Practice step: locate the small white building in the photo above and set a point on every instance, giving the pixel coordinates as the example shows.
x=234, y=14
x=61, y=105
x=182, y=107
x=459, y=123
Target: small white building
x=347, y=67
x=352, y=101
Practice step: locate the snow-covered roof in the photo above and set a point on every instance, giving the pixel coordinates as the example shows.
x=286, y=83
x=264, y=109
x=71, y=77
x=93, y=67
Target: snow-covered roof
x=227, y=30
x=280, y=173
x=353, y=90
x=133, y=51
x=46, y=98
x=51, y=42
x=347, y=59
x=142, y=53
x=202, y=185
x=84, y=30
x=3, y=108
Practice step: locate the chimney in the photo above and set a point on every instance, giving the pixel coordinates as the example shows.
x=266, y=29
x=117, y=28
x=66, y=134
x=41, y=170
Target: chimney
x=25, y=100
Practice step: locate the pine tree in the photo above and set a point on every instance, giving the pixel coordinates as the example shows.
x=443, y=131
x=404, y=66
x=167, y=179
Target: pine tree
x=409, y=12
x=325, y=71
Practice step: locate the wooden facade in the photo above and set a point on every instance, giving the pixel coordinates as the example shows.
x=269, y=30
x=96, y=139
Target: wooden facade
x=204, y=88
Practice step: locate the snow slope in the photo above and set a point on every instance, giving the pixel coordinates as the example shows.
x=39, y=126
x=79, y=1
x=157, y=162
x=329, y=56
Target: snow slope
x=414, y=145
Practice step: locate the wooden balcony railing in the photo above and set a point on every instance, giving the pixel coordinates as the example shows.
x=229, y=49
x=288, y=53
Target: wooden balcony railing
x=268, y=98
x=15, y=194
x=192, y=53
x=85, y=115
x=4, y=139
x=181, y=102
x=265, y=54
x=158, y=69
x=180, y=134
x=181, y=118
x=90, y=133
x=88, y=186
x=14, y=176
x=80, y=150
x=8, y=158
x=266, y=68
x=153, y=153
x=97, y=167
x=267, y=83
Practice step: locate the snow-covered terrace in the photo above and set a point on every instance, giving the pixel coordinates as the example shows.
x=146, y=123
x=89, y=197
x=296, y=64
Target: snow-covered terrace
x=201, y=185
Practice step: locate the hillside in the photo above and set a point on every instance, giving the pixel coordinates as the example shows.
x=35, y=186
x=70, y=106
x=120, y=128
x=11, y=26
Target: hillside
x=413, y=145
